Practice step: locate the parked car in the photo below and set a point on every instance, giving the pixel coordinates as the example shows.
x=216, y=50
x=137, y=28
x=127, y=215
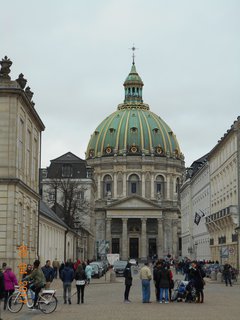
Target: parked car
x=119, y=267
x=97, y=271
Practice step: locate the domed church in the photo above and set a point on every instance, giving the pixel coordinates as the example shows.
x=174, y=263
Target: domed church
x=137, y=167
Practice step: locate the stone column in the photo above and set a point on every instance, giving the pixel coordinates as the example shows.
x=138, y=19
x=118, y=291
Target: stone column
x=115, y=185
x=175, y=238
x=99, y=186
x=152, y=186
x=168, y=187
x=144, y=239
x=109, y=233
x=124, y=185
x=160, y=243
x=124, y=255
x=143, y=185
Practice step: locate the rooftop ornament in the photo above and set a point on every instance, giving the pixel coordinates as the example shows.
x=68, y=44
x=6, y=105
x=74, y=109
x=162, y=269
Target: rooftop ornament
x=29, y=93
x=5, y=68
x=21, y=81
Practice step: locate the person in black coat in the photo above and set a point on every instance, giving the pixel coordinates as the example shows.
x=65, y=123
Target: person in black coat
x=196, y=275
x=164, y=278
x=128, y=281
x=81, y=279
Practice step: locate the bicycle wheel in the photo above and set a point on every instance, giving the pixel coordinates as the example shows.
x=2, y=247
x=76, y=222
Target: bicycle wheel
x=47, y=303
x=14, y=303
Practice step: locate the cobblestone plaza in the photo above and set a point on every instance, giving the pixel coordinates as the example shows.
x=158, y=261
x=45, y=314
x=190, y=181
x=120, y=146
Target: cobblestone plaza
x=104, y=300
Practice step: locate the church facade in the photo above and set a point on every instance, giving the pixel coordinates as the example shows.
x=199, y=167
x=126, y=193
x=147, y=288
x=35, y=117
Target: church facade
x=137, y=167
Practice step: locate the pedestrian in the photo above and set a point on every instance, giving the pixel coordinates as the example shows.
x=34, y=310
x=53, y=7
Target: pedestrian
x=196, y=275
x=146, y=277
x=56, y=266
x=39, y=281
x=48, y=273
x=128, y=282
x=88, y=272
x=227, y=274
x=10, y=280
x=2, y=293
x=67, y=276
x=81, y=279
x=155, y=278
x=164, y=278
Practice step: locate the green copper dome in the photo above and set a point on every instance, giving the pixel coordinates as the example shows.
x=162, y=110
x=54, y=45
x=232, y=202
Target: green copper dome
x=133, y=129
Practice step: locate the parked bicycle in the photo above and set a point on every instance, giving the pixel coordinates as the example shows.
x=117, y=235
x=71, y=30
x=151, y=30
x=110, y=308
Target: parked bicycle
x=47, y=302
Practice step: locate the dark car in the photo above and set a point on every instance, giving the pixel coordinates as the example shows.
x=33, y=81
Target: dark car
x=119, y=267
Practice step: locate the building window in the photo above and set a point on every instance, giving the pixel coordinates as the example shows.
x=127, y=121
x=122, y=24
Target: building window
x=107, y=186
x=159, y=187
x=134, y=184
x=211, y=242
x=133, y=187
x=234, y=237
x=67, y=171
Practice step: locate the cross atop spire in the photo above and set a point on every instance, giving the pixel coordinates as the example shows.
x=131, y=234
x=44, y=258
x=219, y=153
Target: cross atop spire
x=133, y=55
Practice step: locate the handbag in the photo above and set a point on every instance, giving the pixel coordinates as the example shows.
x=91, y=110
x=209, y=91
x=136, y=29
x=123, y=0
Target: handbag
x=80, y=282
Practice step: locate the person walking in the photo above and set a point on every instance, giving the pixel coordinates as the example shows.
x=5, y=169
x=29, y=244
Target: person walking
x=128, y=281
x=146, y=277
x=88, y=271
x=10, y=280
x=48, y=273
x=80, y=277
x=67, y=276
x=227, y=275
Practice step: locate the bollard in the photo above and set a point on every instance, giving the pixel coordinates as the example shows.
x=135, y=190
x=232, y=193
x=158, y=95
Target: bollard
x=213, y=276
x=112, y=276
x=219, y=277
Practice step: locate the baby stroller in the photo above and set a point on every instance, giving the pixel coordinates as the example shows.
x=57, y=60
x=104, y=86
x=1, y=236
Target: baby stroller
x=183, y=291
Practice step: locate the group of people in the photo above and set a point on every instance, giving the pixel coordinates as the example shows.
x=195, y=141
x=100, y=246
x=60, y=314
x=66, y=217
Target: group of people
x=163, y=281
x=41, y=277
x=81, y=272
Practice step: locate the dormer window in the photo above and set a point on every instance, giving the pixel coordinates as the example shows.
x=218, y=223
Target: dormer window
x=67, y=170
x=155, y=130
x=96, y=133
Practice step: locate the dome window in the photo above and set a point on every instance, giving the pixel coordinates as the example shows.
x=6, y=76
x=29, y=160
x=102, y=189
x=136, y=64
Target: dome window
x=96, y=133
x=155, y=130
x=112, y=130
x=133, y=130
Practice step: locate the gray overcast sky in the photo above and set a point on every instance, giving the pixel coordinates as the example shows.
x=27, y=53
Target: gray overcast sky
x=75, y=56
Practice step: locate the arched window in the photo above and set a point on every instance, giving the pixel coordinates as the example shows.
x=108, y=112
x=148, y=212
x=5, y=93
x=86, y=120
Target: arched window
x=107, y=186
x=134, y=185
x=159, y=187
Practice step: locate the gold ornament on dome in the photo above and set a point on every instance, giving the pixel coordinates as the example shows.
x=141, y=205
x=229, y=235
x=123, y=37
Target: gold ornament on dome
x=91, y=153
x=108, y=150
x=159, y=150
x=133, y=149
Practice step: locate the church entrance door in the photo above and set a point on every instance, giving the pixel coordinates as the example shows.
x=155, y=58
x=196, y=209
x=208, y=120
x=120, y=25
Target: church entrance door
x=133, y=248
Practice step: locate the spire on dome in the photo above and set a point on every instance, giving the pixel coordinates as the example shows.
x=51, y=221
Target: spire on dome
x=133, y=84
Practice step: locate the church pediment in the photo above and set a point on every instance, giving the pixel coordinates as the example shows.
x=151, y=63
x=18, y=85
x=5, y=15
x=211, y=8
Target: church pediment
x=134, y=202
